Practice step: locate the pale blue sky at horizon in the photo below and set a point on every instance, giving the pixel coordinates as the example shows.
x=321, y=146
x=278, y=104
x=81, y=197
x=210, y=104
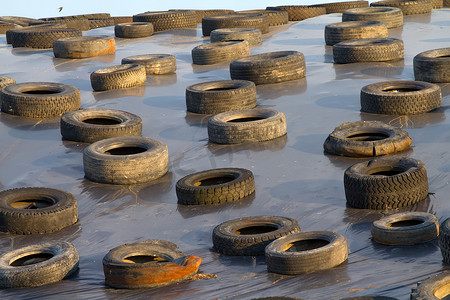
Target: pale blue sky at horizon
x=49, y=8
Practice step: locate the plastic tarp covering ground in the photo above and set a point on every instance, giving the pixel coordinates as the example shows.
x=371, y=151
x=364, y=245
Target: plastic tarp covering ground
x=294, y=177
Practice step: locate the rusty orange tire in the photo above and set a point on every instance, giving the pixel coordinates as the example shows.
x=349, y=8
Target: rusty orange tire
x=84, y=46
x=147, y=264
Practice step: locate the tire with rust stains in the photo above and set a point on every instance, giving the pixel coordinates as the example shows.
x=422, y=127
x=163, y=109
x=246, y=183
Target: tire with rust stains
x=148, y=264
x=118, y=77
x=249, y=236
x=133, y=30
x=365, y=139
x=434, y=288
x=405, y=228
x=84, y=46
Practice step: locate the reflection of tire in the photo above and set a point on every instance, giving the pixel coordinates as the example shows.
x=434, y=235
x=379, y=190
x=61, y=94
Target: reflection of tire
x=392, y=16
x=400, y=97
x=354, y=30
x=250, y=235
x=118, y=77
x=339, y=7
x=269, y=67
x=444, y=240
x=42, y=38
x=251, y=35
x=91, y=125
x=125, y=160
x=85, y=46
x=386, y=183
x=306, y=252
x=433, y=288
x=40, y=99
x=215, y=186
x=37, y=265
x=213, y=53
x=300, y=12
x=368, y=50
x=218, y=96
x=133, y=30
x=247, y=125
x=148, y=264
x=405, y=228
x=274, y=17
x=366, y=138
x=432, y=65
x=257, y=21
x=5, y=81
x=168, y=20
x=408, y=7
x=36, y=210
x=156, y=64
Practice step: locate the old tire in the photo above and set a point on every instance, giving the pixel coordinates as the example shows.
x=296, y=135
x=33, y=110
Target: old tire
x=306, y=252
x=408, y=7
x=148, y=264
x=215, y=186
x=386, y=183
x=85, y=46
x=251, y=35
x=444, y=240
x=433, y=66
x=214, y=97
x=98, y=23
x=218, y=52
x=118, y=77
x=36, y=210
x=434, y=288
x=257, y=21
x=366, y=138
x=168, y=20
x=339, y=7
x=392, y=16
x=247, y=125
x=274, y=17
x=40, y=99
x=354, y=30
x=133, y=30
x=407, y=228
x=300, y=12
x=42, y=38
x=400, y=97
x=125, y=160
x=11, y=34
x=155, y=64
x=272, y=67
x=92, y=125
x=249, y=236
x=37, y=265
x=5, y=81
x=368, y=50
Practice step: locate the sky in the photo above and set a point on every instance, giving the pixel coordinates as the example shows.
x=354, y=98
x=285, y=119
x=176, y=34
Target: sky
x=50, y=8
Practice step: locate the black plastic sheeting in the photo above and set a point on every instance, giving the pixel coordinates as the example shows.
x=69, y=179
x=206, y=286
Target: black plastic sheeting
x=294, y=178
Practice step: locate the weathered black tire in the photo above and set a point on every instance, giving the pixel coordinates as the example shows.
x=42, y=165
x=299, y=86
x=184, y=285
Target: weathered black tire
x=251, y=35
x=408, y=7
x=5, y=81
x=257, y=21
x=389, y=98
x=317, y=250
x=274, y=17
x=155, y=64
x=412, y=228
x=354, y=30
x=272, y=67
x=133, y=30
x=215, y=186
x=92, y=125
x=84, y=46
x=300, y=12
x=47, y=263
x=434, y=288
x=444, y=240
x=432, y=66
x=339, y=7
x=118, y=77
x=218, y=52
x=258, y=125
x=367, y=186
x=214, y=97
x=39, y=99
x=36, y=210
x=368, y=50
x=11, y=34
x=366, y=138
x=42, y=38
x=134, y=160
x=168, y=20
x=249, y=236
x=98, y=23
x=77, y=17
x=392, y=16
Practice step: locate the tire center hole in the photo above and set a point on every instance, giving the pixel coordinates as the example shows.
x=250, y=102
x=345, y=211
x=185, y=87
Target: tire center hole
x=405, y=223
x=40, y=91
x=368, y=136
x=214, y=180
x=220, y=89
x=144, y=259
x=442, y=291
x=257, y=229
x=246, y=119
x=32, y=203
x=102, y=121
x=386, y=171
x=401, y=89
x=445, y=56
x=31, y=259
x=305, y=245
x=125, y=151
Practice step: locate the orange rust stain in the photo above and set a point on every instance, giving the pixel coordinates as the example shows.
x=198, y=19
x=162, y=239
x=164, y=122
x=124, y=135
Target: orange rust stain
x=110, y=49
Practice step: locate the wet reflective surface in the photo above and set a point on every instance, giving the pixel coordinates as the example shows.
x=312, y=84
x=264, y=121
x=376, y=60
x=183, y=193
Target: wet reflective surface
x=294, y=178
